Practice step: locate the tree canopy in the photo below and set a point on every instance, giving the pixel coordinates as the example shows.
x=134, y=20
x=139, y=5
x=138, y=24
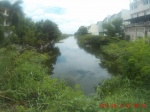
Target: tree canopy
x=114, y=28
x=82, y=30
x=47, y=30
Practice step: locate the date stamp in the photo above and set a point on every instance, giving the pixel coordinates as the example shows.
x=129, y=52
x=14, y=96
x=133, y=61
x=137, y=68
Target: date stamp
x=127, y=105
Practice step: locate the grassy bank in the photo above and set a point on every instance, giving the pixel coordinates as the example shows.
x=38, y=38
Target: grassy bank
x=128, y=89
x=25, y=85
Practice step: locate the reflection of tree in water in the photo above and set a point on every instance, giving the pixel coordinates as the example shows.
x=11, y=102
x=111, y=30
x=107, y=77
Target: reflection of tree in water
x=53, y=52
x=107, y=62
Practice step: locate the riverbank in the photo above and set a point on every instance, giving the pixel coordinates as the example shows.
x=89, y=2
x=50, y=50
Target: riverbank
x=25, y=85
x=129, y=83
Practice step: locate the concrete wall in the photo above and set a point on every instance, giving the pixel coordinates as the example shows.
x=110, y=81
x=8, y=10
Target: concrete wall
x=140, y=31
x=148, y=31
x=131, y=31
x=125, y=14
x=137, y=31
x=100, y=26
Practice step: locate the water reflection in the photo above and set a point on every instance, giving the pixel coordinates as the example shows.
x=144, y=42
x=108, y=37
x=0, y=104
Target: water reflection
x=53, y=52
x=78, y=67
x=105, y=60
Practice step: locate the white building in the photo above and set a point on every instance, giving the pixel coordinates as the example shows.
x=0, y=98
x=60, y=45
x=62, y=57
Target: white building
x=107, y=19
x=124, y=14
x=100, y=27
x=140, y=19
x=5, y=14
x=93, y=29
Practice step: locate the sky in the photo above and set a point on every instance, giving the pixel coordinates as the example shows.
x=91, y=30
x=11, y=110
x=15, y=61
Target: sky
x=69, y=15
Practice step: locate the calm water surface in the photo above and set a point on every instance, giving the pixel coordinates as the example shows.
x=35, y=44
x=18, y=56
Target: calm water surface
x=78, y=67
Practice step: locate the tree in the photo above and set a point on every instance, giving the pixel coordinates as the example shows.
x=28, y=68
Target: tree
x=1, y=35
x=82, y=30
x=114, y=28
x=47, y=30
x=28, y=32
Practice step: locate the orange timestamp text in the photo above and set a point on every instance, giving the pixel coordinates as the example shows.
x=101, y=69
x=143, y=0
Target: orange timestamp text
x=127, y=105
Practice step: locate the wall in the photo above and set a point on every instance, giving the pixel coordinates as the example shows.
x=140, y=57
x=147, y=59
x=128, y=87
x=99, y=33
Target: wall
x=137, y=31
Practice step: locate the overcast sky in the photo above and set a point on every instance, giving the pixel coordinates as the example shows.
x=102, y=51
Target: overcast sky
x=71, y=14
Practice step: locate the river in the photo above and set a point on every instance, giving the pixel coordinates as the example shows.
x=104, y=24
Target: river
x=76, y=66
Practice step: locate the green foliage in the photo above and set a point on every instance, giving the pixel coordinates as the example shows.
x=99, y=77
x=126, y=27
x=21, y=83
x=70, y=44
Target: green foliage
x=26, y=86
x=82, y=30
x=114, y=28
x=30, y=38
x=92, y=40
x=120, y=92
x=25, y=31
x=1, y=35
x=10, y=36
x=132, y=59
x=47, y=30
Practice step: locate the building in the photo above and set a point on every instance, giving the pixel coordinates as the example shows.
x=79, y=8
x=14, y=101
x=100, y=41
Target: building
x=124, y=14
x=107, y=19
x=93, y=29
x=100, y=27
x=4, y=16
x=139, y=19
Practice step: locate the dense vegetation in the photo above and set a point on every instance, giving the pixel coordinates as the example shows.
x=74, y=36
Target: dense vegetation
x=129, y=85
x=25, y=83
x=131, y=60
x=114, y=28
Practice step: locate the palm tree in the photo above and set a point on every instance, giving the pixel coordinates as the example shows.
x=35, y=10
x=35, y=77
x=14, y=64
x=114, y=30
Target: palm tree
x=16, y=13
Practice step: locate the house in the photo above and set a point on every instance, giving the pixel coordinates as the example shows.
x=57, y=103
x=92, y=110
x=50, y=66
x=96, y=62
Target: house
x=4, y=16
x=140, y=19
x=93, y=29
x=124, y=14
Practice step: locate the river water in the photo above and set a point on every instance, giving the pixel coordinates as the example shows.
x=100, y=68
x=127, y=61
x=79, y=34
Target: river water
x=76, y=66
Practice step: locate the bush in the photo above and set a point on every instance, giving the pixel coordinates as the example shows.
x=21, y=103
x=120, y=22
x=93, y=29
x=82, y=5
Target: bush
x=132, y=59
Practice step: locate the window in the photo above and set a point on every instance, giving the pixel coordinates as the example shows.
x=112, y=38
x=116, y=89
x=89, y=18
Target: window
x=133, y=6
